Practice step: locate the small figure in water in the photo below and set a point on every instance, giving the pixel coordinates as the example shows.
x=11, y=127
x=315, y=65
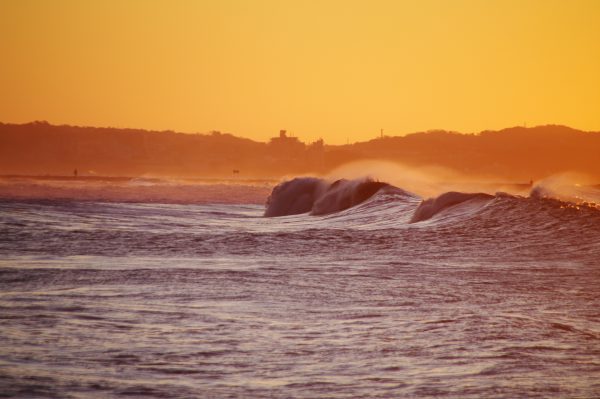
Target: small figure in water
x=75, y=173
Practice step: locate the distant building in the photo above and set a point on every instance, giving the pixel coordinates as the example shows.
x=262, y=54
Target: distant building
x=285, y=146
x=292, y=154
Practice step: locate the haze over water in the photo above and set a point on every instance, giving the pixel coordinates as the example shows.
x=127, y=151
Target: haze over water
x=479, y=296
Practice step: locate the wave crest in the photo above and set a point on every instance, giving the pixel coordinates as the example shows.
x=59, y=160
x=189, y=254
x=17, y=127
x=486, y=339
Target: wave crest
x=320, y=197
x=432, y=206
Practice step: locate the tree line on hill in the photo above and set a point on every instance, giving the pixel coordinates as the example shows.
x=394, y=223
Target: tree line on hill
x=513, y=154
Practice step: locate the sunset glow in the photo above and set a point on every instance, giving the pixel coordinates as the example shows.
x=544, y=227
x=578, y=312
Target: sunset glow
x=299, y=198
x=340, y=70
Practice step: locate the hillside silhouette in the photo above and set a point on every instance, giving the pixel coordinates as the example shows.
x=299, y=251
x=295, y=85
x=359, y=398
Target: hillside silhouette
x=513, y=154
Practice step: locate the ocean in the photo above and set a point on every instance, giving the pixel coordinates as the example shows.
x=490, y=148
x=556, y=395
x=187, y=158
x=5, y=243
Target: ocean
x=353, y=289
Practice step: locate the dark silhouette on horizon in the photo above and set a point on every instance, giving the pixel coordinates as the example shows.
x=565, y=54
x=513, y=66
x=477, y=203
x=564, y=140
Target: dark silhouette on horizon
x=514, y=154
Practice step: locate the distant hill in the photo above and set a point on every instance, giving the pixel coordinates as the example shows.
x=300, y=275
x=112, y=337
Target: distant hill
x=516, y=153
x=513, y=154
x=41, y=148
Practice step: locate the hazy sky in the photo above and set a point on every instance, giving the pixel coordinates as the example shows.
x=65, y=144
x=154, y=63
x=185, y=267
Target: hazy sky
x=332, y=69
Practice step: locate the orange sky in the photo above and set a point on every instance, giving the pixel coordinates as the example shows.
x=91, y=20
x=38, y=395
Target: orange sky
x=333, y=69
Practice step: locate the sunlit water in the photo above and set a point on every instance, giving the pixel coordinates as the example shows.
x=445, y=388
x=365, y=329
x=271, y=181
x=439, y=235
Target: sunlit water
x=485, y=300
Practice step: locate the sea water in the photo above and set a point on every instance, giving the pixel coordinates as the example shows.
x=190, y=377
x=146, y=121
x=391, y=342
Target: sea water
x=493, y=296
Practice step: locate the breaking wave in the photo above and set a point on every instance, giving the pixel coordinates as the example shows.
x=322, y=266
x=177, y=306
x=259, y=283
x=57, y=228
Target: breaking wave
x=319, y=197
x=384, y=203
x=432, y=206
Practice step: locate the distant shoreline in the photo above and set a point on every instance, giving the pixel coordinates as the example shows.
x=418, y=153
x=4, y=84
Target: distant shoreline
x=132, y=178
x=516, y=154
x=519, y=186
